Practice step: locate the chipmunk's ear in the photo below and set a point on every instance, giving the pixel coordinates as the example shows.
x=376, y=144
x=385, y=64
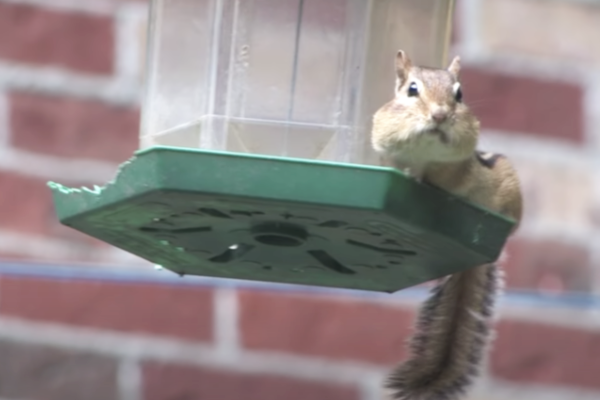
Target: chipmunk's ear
x=403, y=65
x=454, y=67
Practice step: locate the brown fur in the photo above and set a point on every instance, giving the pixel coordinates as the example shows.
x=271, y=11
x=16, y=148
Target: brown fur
x=454, y=323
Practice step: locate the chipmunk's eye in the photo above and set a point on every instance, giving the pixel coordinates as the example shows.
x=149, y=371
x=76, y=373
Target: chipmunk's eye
x=458, y=95
x=412, y=90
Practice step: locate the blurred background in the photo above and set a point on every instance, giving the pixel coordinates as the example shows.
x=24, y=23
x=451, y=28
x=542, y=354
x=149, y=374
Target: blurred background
x=82, y=320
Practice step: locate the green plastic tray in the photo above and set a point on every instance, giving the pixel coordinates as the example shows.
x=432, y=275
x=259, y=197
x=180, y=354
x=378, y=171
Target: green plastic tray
x=273, y=219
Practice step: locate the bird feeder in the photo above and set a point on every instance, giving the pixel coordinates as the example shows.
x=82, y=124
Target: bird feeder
x=255, y=159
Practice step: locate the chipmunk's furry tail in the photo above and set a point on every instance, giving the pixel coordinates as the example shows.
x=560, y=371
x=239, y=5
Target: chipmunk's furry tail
x=452, y=333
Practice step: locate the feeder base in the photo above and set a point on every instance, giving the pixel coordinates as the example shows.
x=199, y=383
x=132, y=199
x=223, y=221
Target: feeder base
x=273, y=219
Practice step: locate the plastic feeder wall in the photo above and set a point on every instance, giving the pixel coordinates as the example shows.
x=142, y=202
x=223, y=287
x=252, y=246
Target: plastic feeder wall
x=255, y=160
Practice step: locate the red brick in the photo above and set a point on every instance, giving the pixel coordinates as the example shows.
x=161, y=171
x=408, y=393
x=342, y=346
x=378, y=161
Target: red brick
x=27, y=207
x=548, y=265
x=318, y=326
x=41, y=373
x=77, y=41
x=181, y=312
x=12, y=256
x=169, y=382
x=544, y=354
x=573, y=29
x=70, y=127
x=538, y=107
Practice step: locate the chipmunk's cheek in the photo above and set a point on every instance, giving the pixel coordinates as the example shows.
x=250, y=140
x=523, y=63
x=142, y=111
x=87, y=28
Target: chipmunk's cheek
x=424, y=125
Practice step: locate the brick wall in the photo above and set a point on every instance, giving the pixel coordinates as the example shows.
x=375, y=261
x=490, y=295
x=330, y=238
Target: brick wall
x=69, y=94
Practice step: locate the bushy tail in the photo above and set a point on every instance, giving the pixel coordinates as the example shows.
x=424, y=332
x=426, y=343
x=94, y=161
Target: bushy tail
x=453, y=328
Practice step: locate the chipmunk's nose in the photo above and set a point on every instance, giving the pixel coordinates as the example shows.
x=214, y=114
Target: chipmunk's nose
x=439, y=115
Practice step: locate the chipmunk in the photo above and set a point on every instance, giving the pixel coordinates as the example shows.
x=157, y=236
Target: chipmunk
x=430, y=133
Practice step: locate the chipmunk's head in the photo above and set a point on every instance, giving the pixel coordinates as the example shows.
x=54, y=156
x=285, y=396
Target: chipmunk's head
x=427, y=120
